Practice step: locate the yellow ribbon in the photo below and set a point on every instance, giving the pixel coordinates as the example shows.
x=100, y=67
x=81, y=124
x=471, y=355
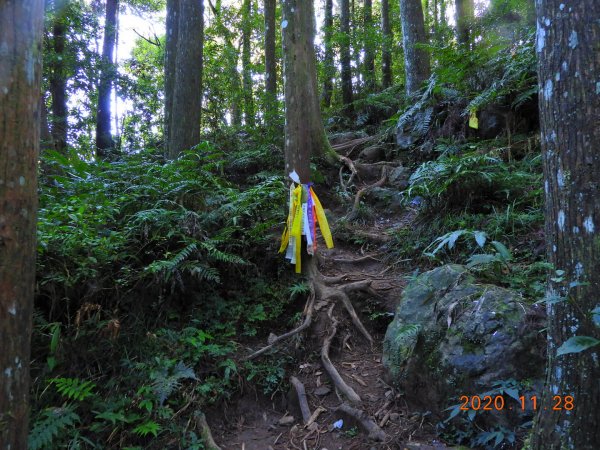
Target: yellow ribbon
x=323, y=224
x=292, y=234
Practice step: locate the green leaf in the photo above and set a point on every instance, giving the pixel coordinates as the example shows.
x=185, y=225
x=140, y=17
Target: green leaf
x=147, y=428
x=478, y=260
x=480, y=237
x=501, y=248
x=596, y=316
x=577, y=344
x=514, y=393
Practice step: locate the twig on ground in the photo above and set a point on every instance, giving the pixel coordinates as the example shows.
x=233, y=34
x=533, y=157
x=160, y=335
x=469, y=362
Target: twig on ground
x=303, y=402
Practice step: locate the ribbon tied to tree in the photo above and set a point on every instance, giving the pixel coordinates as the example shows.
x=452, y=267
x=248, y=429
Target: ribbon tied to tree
x=305, y=211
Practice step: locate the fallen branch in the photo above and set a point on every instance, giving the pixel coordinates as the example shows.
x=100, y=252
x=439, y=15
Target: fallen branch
x=302, y=401
x=335, y=376
x=368, y=424
x=205, y=434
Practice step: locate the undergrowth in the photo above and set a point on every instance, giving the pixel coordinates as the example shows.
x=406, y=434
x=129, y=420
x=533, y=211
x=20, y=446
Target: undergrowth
x=149, y=274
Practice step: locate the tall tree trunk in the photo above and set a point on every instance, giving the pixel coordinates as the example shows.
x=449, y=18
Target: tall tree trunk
x=184, y=128
x=58, y=80
x=172, y=35
x=270, y=63
x=369, y=62
x=416, y=61
x=386, y=53
x=304, y=132
x=104, y=140
x=21, y=28
x=249, y=118
x=568, y=39
x=328, y=63
x=465, y=14
x=346, y=69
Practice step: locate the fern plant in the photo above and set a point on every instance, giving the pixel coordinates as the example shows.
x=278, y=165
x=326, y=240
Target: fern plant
x=52, y=423
x=74, y=388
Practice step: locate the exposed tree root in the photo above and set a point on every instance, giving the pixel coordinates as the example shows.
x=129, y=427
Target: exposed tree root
x=308, y=312
x=205, y=433
x=303, y=402
x=333, y=373
x=352, y=215
x=331, y=292
x=365, y=422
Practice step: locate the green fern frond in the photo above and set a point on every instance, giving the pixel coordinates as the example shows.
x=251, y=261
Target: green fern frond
x=52, y=423
x=73, y=388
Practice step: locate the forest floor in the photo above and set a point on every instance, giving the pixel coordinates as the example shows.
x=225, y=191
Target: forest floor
x=256, y=422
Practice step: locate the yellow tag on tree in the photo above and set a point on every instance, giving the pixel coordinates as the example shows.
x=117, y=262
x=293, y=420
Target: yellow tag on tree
x=473, y=121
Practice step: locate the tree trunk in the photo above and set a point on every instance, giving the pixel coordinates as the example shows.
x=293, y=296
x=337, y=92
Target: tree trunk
x=172, y=35
x=104, y=140
x=21, y=28
x=568, y=38
x=58, y=80
x=304, y=132
x=246, y=63
x=346, y=69
x=328, y=63
x=369, y=62
x=270, y=63
x=465, y=14
x=386, y=54
x=184, y=128
x=416, y=61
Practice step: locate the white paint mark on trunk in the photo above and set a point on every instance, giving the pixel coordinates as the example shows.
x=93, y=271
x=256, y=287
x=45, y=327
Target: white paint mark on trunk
x=540, y=38
x=561, y=220
x=573, y=39
x=588, y=224
x=548, y=90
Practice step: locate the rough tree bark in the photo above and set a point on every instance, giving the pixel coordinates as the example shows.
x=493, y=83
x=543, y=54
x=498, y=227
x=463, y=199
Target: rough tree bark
x=369, y=62
x=249, y=118
x=416, y=60
x=58, y=78
x=172, y=35
x=184, y=126
x=104, y=140
x=465, y=13
x=21, y=28
x=568, y=39
x=328, y=63
x=346, y=69
x=270, y=63
x=386, y=51
x=304, y=132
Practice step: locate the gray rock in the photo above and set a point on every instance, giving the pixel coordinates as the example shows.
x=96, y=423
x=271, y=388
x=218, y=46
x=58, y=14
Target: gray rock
x=398, y=178
x=373, y=153
x=451, y=336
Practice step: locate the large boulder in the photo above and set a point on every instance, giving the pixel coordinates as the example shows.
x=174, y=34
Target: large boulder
x=452, y=337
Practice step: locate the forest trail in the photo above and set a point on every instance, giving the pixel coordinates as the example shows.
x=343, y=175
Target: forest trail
x=255, y=422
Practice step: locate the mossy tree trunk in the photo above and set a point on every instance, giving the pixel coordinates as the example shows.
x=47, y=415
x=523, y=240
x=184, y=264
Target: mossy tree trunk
x=21, y=27
x=568, y=43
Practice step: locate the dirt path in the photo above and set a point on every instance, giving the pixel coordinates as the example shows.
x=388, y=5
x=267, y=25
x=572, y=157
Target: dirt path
x=255, y=422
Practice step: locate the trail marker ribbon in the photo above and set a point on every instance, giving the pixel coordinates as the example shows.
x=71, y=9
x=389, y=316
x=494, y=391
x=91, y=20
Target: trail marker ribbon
x=305, y=211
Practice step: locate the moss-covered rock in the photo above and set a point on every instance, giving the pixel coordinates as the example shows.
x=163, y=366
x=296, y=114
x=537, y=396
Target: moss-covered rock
x=451, y=337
